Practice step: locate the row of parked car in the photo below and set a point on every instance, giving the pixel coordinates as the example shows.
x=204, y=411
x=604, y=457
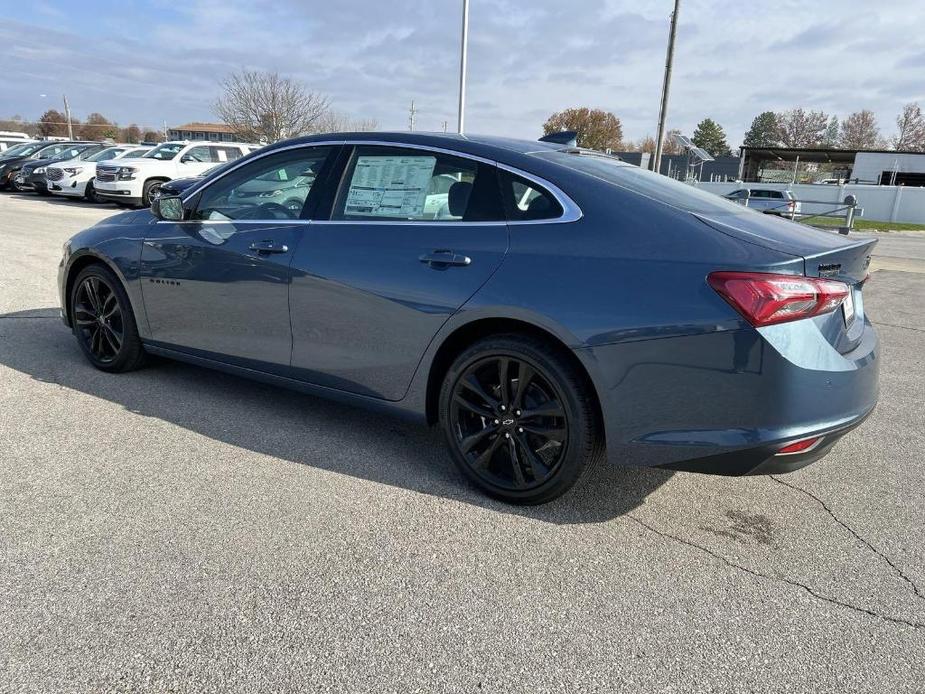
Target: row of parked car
x=129, y=175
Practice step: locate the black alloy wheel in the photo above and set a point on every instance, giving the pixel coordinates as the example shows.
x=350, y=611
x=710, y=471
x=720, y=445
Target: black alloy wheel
x=518, y=419
x=98, y=319
x=103, y=323
x=90, y=193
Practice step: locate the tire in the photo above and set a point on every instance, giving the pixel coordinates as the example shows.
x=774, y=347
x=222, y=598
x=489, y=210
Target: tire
x=150, y=187
x=111, y=343
x=18, y=188
x=525, y=446
x=90, y=193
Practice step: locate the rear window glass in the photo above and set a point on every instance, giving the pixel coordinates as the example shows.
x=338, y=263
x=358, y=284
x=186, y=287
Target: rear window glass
x=525, y=200
x=648, y=183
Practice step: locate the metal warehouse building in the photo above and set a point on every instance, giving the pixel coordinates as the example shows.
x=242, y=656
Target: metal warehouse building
x=808, y=165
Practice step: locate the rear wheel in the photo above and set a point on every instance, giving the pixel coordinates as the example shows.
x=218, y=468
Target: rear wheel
x=518, y=419
x=103, y=321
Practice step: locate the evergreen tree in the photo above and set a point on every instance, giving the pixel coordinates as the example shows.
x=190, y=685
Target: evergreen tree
x=710, y=136
x=764, y=131
x=830, y=139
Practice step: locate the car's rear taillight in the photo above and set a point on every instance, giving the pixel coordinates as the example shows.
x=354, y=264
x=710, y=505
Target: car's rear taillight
x=766, y=299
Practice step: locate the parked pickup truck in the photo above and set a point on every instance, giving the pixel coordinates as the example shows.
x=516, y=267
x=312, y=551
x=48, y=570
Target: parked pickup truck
x=138, y=182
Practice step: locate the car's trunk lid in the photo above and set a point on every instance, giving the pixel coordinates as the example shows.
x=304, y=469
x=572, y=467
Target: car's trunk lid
x=825, y=254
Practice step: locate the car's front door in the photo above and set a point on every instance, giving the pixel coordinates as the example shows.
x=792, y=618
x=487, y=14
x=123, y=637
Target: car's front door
x=412, y=235
x=217, y=284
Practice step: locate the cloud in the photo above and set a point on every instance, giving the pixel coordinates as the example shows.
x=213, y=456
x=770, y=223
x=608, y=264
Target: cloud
x=148, y=62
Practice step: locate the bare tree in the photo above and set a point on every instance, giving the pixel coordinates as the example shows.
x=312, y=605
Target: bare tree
x=799, y=128
x=263, y=106
x=860, y=131
x=335, y=122
x=911, y=126
x=670, y=145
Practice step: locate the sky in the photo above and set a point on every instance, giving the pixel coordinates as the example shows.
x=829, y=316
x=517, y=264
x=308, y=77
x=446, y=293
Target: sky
x=153, y=61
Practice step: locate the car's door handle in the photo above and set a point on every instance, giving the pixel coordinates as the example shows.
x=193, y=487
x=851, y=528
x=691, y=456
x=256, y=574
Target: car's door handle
x=444, y=258
x=269, y=247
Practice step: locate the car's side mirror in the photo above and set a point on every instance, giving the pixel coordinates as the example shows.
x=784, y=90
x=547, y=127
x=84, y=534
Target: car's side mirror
x=168, y=209
x=186, y=159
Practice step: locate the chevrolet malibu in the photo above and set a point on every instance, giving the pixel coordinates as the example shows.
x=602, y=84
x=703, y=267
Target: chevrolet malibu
x=547, y=306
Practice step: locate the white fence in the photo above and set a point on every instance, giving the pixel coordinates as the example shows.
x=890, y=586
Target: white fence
x=881, y=203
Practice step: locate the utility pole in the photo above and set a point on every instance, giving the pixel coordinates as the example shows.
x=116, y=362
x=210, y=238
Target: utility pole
x=165, y=132
x=463, y=55
x=411, y=113
x=666, y=85
x=67, y=115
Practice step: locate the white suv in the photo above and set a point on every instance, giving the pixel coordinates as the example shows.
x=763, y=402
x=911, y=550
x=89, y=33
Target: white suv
x=138, y=182
x=75, y=179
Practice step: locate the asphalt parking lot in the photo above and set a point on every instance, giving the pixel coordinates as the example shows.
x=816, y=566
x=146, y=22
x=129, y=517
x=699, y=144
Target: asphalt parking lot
x=176, y=529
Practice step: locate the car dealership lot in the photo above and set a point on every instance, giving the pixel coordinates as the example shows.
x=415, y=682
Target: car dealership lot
x=176, y=529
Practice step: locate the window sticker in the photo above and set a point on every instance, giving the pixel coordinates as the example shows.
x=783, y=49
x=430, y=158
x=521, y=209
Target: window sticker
x=390, y=186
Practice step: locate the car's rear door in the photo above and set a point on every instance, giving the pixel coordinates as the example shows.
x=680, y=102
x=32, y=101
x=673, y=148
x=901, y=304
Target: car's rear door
x=217, y=284
x=402, y=250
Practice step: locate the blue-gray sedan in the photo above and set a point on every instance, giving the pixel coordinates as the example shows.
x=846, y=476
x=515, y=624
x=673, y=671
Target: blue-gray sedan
x=545, y=305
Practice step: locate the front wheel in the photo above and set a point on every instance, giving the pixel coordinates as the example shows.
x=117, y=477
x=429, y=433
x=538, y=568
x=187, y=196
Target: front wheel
x=519, y=419
x=103, y=321
x=151, y=192
x=90, y=193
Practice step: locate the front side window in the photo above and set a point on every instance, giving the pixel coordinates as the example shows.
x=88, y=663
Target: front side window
x=273, y=187
x=201, y=155
x=396, y=184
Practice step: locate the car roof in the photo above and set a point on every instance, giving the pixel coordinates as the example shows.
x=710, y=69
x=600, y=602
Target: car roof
x=479, y=145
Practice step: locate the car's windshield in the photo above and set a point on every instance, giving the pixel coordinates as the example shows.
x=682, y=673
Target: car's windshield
x=70, y=153
x=648, y=183
x=107, y=153
x=135, y=153
x=23, y=150
x=19, y=150
x=166, y=151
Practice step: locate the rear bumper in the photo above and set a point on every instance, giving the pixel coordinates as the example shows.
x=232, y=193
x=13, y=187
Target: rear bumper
x=765, y=460
x=726, y=402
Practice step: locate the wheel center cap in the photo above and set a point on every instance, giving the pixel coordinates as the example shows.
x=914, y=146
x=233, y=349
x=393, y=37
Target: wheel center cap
x=507, y=422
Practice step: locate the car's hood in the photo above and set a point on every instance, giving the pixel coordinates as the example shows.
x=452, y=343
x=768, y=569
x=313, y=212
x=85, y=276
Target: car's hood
x=143, y=162
x=35, y=163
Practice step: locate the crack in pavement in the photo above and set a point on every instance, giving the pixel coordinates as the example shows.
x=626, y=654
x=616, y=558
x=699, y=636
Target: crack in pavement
x=29, y=318
x=779, y=579
x=901, y=327
x=899, y=571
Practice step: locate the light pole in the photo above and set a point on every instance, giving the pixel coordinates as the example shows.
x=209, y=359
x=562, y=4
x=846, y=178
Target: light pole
x=67, y=114
x=666, y=84
x=463, y=51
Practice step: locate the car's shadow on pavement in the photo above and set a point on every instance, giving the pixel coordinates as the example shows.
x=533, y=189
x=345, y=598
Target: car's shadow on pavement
x=296, y=427
x=71, y=202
